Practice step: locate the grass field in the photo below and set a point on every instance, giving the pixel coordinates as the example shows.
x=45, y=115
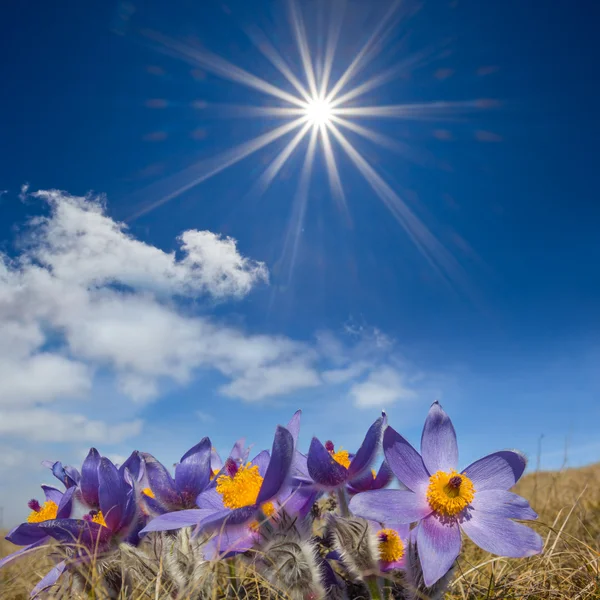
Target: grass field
x=568, y=504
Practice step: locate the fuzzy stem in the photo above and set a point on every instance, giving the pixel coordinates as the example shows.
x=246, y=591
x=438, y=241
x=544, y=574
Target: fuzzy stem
x=373, y=587
x=232, y=578
x=264, y=522
x=343, y=502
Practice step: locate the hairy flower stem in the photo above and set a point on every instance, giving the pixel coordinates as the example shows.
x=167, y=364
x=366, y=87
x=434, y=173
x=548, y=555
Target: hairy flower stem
x=343, y=502
x=373, y=586
x=233, y=584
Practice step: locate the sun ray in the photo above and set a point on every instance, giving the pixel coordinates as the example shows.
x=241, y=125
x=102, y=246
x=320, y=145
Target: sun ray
x=192, y=176
x=359, y=60
x=435, y=253
x=381, y=139
x=300, y=34
x=333, y=35
x=219, y=66
x=335, y=182
x=267, y=49
x=426, y=110
x=241, y=110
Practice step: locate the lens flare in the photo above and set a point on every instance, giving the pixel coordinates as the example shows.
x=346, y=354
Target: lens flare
x=319, y=112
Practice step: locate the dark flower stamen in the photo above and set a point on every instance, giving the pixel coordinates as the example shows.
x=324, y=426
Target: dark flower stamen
x=455, y=482
x=34, y=505
x=231, y=467
x=329, y=446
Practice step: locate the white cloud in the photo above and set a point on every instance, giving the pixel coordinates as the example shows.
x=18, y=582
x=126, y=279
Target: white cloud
x=42, y=425
x=383, y=386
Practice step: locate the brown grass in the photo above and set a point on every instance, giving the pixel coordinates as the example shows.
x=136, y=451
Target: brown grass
x=568, y=504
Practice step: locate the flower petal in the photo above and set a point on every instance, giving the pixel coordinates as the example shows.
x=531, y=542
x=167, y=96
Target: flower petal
x=210, y=499
x=298, y=500
x=25, y=534
x=73, y=476
x=75, y=531
x=192, y=474
x=89, y=478
x=368, y=449
x=112, y=493
x=49, y=580
x=21, y=551
x=239, y=452
x=229, y=541
x=135, y=464
x=294, y=426
x=393, y=506
x=52, y=494
x=229, y=517
x=406, y=463
x=438, y=544
x=502, y=536
x=261, y=460
x=216, y=464
x=279, y=465
x=65, y=506
x=497, y=471
x=161, y=482
x=177, y=520
x=322, y=467
x=439, y=449
x=502, y=504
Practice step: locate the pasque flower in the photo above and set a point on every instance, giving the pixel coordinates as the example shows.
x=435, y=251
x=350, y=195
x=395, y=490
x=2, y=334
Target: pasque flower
x=371, y=480
x=445, y=501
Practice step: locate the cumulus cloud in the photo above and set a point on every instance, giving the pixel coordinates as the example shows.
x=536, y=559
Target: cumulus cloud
x=383, y=386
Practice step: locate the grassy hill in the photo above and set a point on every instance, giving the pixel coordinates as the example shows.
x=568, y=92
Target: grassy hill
x=568, y=504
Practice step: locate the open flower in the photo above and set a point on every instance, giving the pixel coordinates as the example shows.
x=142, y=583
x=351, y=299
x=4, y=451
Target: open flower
x=392, y=546
x=371, y=480
x=192, y=475
x=239, y=496
x=444, y=501
x=331, y=469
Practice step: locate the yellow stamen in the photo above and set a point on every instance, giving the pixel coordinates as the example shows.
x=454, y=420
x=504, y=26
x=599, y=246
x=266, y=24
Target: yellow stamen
x=241, y=489
x=391, y=547
x=47, y=512
x=99, y=518
x=373, y=473
x=213, y=473
x=341, y=457
x=148, y=492
x=449, y=493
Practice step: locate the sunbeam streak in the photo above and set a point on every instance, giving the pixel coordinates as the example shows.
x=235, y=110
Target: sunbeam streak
x=323, y=109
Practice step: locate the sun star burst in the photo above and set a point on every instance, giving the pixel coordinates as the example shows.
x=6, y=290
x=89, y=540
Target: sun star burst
x=322, y=112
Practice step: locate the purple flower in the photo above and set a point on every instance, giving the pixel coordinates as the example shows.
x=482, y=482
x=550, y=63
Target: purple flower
x=330, y=469
x=444, y=501
x=393, y=545
x=193, y=474
x=371, y=480
x=58, y=505
x=239, y=495
x=67, y=475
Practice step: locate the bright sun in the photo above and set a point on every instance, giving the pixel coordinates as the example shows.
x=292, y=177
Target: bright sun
x=318, y=112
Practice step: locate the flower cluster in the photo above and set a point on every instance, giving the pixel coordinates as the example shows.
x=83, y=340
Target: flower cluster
x=311, y=524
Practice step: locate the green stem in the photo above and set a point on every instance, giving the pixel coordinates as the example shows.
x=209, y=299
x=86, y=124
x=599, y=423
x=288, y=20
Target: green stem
x=343, y=502
x=232, y=577
x=373, y=586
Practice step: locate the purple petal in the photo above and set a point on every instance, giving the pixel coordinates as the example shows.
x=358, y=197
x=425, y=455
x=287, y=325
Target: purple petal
x=49, y=580
x=439, y=449
x=294, y=426
x=73, y=476
x=262, y=462
x=297, y=501
x=177, y=520
x=161, y=482
x=112, y=493
x=502, y=536
x=405, y=462
x=65, y=505
x=130, y=511
x=7, y=559
x=438, y=544
x=384, y=476
x=135, y=464
x=279, y=465
x=239, y=453
x=52, y=494
x=368, y=449
x=89, y=478
x=216, y=464
x=502, y=504
x=210, y=499
x=192, y=474
x=74, y=531
x=497, y=471
x=322, y=467
x=390, y=506
x=299, y=468
x=227, y=517
x=25, y=534
x=229, y=541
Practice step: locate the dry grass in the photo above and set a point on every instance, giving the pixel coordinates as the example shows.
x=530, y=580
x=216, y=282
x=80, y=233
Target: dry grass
x=568, y=503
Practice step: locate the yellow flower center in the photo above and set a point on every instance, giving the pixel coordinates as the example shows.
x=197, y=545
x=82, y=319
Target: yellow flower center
x=449, y=493
x=99, y=518
x=373, y=473
x=47, y=512
x=341, y=457
x=391, y=547
x=241, y=489
x=148, y=492
x=213, y=473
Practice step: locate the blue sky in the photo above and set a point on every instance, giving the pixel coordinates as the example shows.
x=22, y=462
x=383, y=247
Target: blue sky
x=117, y=343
